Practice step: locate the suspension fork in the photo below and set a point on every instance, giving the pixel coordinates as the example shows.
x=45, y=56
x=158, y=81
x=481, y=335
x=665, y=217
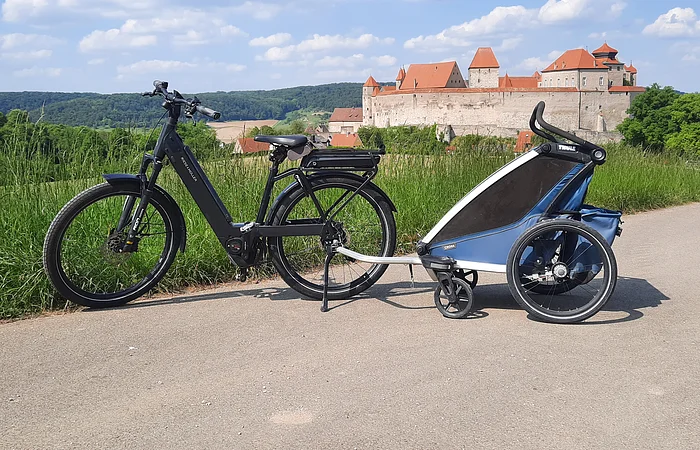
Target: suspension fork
x=147, y=190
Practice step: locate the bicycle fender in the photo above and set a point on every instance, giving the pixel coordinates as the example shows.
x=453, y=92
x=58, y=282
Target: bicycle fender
x=295, y=184
x=118, y=178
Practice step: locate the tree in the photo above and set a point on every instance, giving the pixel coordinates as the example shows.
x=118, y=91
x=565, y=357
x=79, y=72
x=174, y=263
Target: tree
x=650, y=118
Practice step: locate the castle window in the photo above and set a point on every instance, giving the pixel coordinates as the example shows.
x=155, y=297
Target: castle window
x=600, y=81
x=618, y=68
x=566, y=82
x=558, y=82
x=583, y=80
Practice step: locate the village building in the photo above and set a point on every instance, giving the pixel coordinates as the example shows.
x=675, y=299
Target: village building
x=346, y=120
x=250, y=145
x=588, y=93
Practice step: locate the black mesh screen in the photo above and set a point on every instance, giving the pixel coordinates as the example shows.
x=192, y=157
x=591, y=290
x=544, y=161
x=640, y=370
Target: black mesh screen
x=507, y=200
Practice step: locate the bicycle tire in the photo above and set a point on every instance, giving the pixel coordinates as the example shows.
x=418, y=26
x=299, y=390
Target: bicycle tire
x=81, y=288
x=377, y=238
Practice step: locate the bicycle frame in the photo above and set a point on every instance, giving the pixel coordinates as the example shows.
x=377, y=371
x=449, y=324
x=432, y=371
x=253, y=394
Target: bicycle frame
x=240, y=240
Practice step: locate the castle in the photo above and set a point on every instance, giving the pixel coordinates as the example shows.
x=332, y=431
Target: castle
x=585, y=93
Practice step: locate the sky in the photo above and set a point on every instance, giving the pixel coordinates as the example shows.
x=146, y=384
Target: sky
x=123, y=45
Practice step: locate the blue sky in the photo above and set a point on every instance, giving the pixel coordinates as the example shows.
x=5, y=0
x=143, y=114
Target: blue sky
x=122, y=45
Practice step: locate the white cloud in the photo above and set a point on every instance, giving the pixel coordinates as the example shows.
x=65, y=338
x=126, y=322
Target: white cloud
x=503, y=22
x=676, y=22
x=114, y=39
x=499, y=19
x=274, y=40
x=335, y=42
x=20, y=40
x=341, y=61
x=258, y=10
x=38, y=72
x=532, y=64
x=561, y=10
x=96, y=61
x=14, y=10
x=601, y=35
x=158, y=66
x=192, y=27
x=277, y=54
x=154, y=66
x=321, y=43
x=36, y=54
x=554, y=54
x=617, y=8
x=19, y=10
x=385, y=60
x=509, y=43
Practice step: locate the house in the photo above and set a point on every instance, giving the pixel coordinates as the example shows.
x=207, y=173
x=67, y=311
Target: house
x=249, y=145
x=351, y=140
x=345, y=120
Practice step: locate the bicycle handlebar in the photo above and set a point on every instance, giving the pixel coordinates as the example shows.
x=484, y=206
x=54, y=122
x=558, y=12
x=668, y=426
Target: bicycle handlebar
x=191, y=105
x=537, y=115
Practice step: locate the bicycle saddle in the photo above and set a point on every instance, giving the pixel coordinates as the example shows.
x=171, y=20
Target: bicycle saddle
x=286, y=141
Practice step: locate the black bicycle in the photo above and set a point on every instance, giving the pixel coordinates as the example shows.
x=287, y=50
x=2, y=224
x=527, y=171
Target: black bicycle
x=115, y=241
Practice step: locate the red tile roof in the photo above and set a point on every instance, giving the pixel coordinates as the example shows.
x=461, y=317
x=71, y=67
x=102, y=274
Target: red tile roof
x=605, y=48
x=607, y=61
x=248, y=145
x=573, y=60
x=517, y=82
x=435, y=75
x=626, y=89
x=346, y=115
x=484, y=59
x=631, y=68
x=537, y=76
x=389, y=88
x=346, y=140
x=401, y=75
x=371, y=82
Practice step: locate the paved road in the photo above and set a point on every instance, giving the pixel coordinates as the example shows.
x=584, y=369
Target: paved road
x=252, y=366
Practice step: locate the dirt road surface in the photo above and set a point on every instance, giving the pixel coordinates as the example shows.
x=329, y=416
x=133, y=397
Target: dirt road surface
x=253, y=366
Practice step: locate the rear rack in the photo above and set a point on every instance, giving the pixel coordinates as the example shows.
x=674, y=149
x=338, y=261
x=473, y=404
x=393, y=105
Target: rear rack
x=348, y=159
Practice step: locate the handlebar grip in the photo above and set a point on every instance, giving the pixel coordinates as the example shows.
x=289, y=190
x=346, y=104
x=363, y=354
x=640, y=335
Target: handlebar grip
x=209, y=112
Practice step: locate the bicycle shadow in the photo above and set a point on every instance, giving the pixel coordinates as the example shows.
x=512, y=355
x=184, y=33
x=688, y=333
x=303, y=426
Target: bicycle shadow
x=631, y=296
x=386, y=293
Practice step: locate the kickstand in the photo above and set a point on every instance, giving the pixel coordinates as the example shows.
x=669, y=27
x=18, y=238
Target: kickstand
x=410, y=270
x=329, y=256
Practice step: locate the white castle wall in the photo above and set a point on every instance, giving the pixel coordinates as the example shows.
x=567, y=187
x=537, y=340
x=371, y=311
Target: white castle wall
x=498, y=113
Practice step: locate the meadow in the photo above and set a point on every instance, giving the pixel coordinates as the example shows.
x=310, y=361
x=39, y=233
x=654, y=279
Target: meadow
x=423, y=187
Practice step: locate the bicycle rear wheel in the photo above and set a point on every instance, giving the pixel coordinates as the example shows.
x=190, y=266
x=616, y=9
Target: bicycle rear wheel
x=82, y=249
x=366, y=225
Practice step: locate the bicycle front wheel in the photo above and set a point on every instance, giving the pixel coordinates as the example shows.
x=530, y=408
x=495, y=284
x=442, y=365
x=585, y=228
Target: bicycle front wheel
x=365, y=225
x=83, y=254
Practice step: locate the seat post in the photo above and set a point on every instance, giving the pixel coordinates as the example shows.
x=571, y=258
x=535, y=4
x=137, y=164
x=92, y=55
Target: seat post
x=274, y=170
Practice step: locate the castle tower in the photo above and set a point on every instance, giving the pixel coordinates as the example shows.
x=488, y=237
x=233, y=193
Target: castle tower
x=483, y=71
x=400, y=77
x=369, y=89
x=631, y=74
x=607, y=57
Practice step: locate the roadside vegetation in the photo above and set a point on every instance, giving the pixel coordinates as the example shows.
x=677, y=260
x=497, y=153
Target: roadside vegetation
x=42, y=166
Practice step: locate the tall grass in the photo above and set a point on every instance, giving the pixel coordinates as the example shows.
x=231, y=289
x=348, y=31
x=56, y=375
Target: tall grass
x=423, y=188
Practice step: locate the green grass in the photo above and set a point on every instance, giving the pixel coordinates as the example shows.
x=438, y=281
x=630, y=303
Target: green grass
x=423, y=187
